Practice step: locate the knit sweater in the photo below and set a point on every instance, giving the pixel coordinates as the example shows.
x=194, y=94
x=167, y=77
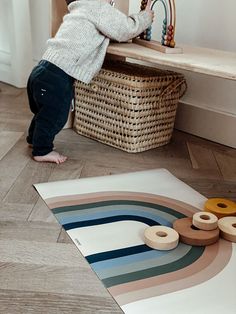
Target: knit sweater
x=80, y=45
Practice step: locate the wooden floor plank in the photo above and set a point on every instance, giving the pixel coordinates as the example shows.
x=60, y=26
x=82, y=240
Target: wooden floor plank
x=7, y=140
x=35, y=252
x=51, y=279
x=32, y=173
x=14, y=212
x=69, y=170
x=227, y=165
x=28, y=302
x=211, y=188
x=32, y=231
x=203, y=159
x=12, y=165
x=63, y=237
x=42, y=213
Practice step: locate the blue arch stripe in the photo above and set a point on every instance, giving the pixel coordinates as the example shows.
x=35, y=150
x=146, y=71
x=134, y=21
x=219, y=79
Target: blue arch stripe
x=93, y=210
x=128, y=259
x=172, y=256
x=136, y=259
x=94, y=258
x=101, y=221
x=113, y=213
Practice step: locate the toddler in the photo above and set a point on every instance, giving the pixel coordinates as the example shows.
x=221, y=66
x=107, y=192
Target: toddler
x=76, y=52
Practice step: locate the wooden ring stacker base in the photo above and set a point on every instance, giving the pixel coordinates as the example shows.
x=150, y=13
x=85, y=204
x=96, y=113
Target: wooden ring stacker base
x=220, y=207
x=227, y=226
x=205, y=221
x=161, y=238
x=191, y=235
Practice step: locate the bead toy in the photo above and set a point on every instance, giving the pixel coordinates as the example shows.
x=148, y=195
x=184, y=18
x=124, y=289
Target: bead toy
x=167, y=43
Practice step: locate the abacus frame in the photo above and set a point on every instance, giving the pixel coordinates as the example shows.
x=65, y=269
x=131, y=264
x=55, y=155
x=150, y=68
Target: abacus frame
x=167, y=43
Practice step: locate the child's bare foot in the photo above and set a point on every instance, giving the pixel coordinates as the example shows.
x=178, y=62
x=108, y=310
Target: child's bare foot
x=51, y=157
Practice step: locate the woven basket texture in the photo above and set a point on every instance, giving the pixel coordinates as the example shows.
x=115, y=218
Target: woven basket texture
x=129, y=106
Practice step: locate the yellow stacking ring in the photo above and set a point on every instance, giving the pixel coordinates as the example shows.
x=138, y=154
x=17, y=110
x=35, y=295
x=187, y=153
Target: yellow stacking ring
x=220, y=207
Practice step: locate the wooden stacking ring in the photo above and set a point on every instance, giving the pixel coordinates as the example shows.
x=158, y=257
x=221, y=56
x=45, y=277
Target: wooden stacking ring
x=161, y=238
x=227, y=226
x=193, y=236
x=221, y=207
x=205, y=221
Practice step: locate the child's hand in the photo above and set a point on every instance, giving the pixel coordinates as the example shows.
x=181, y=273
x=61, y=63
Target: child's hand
x=148, y=8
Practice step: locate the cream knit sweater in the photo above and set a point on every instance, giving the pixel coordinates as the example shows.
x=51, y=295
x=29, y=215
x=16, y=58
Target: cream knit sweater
x=80, y=45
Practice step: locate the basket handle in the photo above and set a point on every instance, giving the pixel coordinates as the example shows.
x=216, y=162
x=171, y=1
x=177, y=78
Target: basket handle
x=173, y=86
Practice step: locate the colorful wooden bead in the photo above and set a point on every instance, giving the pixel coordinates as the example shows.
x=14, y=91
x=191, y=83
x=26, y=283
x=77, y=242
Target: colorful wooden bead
x=167, y=28
x=172, y=43
x=193, y=236
x=170, y=27
x=220, y=207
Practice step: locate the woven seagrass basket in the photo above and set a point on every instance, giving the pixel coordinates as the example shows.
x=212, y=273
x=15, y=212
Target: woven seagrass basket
x=129, y=106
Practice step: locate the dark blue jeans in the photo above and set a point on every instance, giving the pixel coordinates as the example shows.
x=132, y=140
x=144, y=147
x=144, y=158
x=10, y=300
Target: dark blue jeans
x=50, y=91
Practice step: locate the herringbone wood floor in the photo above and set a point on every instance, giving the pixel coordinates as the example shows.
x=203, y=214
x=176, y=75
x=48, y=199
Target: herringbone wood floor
x=41, y=271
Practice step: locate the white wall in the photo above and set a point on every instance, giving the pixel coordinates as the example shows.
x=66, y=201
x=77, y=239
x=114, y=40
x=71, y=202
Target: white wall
x=16, y=36
x=4, y=41
x=40, y=23
x=15, y=42
x=4, y=38
x=205, y=23
x=209, y=107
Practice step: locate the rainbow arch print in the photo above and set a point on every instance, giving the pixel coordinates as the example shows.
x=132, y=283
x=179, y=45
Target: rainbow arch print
x=107, y=227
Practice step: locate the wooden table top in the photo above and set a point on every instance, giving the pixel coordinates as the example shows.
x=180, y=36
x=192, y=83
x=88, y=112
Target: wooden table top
x=196, y=59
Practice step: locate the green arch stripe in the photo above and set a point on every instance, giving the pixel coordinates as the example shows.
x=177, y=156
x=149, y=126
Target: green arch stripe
x=119, y=202
x=185, y=261
x=142, y=265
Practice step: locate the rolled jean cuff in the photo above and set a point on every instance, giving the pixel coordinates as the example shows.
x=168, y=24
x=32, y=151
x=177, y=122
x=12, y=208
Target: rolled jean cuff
x=41, y=151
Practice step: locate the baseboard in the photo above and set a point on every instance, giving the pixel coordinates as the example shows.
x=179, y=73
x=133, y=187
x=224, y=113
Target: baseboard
x=216, y=126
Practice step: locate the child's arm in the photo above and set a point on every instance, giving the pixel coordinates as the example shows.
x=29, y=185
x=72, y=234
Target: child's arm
x=117, y=26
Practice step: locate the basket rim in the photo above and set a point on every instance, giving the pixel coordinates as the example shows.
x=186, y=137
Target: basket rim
x=156, y=71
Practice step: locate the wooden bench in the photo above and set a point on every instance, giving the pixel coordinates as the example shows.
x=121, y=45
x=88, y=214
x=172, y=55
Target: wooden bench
x=200, y=60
